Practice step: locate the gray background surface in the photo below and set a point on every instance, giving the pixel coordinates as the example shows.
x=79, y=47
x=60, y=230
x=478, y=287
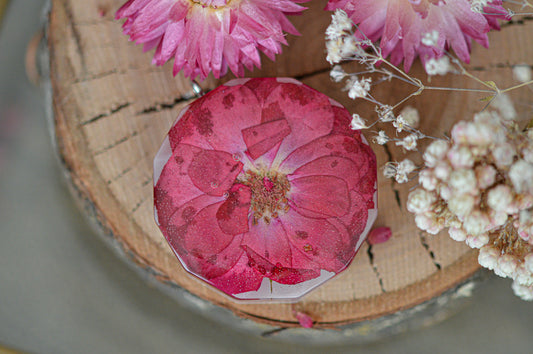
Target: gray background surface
x=63, y=291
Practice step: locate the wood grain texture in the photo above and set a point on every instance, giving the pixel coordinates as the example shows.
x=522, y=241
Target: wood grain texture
x=112, y=109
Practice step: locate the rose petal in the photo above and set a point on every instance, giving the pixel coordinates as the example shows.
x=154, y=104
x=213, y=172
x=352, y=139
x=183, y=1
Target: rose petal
x=214, y=172
x=277, y=272
x=175, y=183
x=332, y=145
x=270, y=241
x=204, y=248
x=307, y=111
x=232, y=216
x=319, y=240
x=335, y=166
x=241, y=277
x=325, y=195
x=261, y=138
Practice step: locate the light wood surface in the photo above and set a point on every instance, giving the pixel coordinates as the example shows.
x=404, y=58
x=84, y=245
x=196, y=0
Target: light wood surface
x=112, y=109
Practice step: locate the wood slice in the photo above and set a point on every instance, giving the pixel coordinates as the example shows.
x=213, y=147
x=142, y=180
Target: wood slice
x=112, y=109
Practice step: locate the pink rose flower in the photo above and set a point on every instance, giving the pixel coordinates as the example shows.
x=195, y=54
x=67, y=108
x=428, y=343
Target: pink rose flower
x=262, y=184
x=209, y=35
x=400, y=26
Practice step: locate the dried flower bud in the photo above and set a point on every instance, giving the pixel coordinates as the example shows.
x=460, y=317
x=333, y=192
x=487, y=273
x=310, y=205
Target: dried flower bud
x=411, y=116
x=521, y=175
x=477, y=241
x=503, y=155
x=428, y=223
x=461, y=204
x=442, y=170
x=523, y=292
x=420, y=201
x=463, y=181
x=500, y=197
x=435, y=152
x=507, y=265
x=528, y=262
x=457, y=234
x=460, y=157
x=476, y=223
x=488, y=257
x=428, y=180
x=486, y=175
x=522, y=73
x=523, y=276
x=357, y=122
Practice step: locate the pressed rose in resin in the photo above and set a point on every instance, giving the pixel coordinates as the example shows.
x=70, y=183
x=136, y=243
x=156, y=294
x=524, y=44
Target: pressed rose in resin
x=262, y=189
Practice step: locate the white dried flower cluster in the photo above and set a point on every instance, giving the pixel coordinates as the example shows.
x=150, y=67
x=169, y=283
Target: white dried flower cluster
x=430, y=39
x=478, y=5
x=440, y=66
x=358, y=88
x=479, y=185
x=399, y=170
x=357, y=122
x=341, y=44
x=522, y=73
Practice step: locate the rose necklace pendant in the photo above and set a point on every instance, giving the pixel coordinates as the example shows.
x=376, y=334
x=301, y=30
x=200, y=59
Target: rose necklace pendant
x=262, y=190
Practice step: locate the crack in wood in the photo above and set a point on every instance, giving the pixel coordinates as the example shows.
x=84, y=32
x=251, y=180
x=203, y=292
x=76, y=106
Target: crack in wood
x=75, y=32
x=158, y=107
x=115, y=144
x=499, y=66
x=103, y=115
x=138, y=205
x=375, y=268
x=424, y=243
x=120, y=175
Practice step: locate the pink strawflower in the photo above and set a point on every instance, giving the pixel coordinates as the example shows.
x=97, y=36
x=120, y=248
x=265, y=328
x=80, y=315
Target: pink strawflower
x=263, y=180
x=209, y=35
x=426, y=28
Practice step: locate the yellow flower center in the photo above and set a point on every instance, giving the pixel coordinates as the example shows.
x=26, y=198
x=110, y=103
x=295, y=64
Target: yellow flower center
x=269, y=194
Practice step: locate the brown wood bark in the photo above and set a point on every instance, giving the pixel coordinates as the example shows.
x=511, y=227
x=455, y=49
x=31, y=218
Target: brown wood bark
x=112, y=109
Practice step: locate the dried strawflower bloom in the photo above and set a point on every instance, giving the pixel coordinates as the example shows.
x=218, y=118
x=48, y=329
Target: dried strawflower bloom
x=425, y=28
x=480, y=186
x=261, y=184
x=206, y=36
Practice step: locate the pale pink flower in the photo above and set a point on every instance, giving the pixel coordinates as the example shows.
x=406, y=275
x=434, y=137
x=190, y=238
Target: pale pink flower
x=262, y=184
x=205, y=36
x=402, y=25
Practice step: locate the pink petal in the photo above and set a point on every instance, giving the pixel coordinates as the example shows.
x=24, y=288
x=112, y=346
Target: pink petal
x=205, y=249
x=319, y=240
x=213, y=171
x=324, y=195
x=379, y=235
x=174, y=181
x=270, y=242
x=261, y=138
x=307, y=111
x=277, y=272
x=240, y=279
x=335, y=166
x=232, y=216
x=304, y=319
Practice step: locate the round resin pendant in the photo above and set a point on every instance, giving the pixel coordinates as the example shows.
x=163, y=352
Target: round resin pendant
x=262, y=190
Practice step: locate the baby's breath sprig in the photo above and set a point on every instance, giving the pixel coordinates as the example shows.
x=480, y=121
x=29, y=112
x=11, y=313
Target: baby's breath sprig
x=478, y=183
